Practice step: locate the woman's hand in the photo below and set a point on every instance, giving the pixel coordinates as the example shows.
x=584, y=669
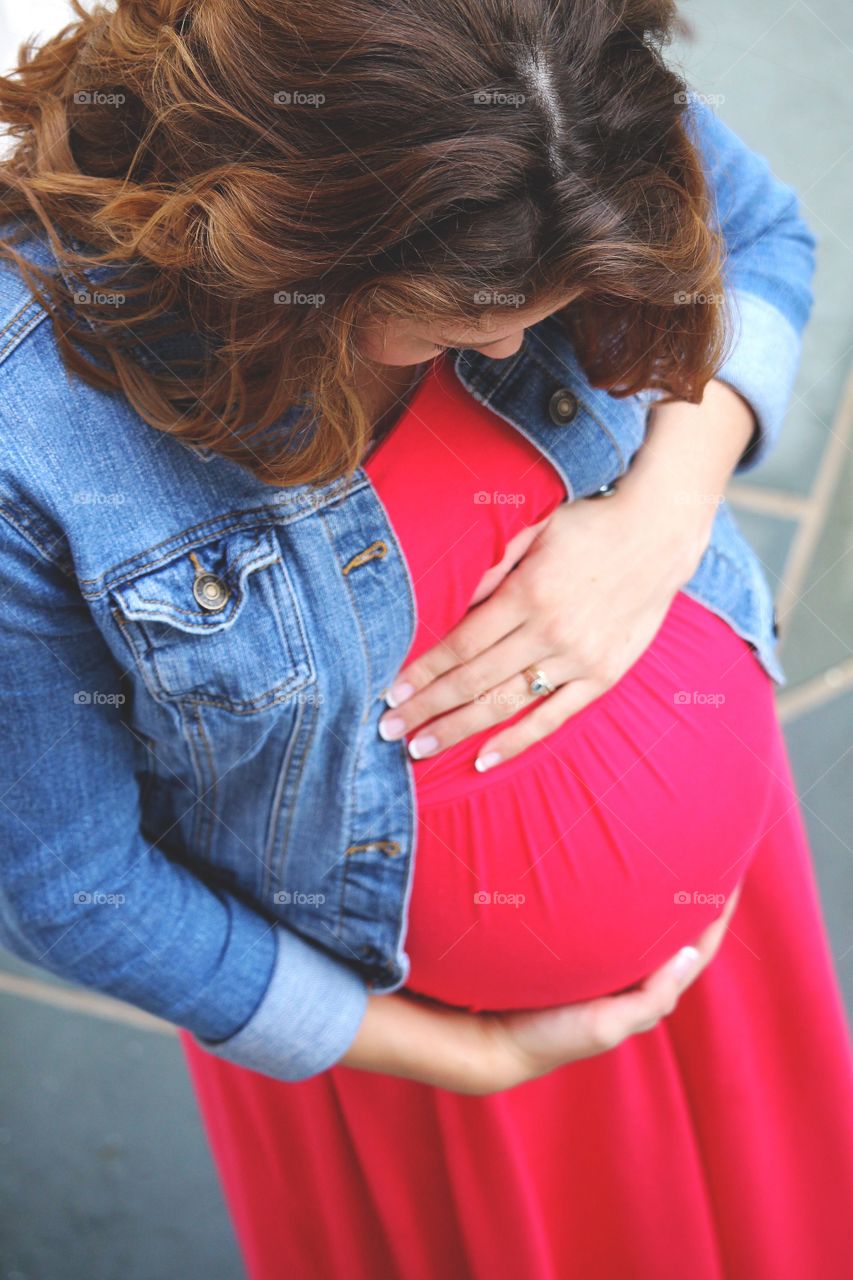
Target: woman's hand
x=484, y=1053
x=586, y=598
x=589, y=594
x=536, y=1042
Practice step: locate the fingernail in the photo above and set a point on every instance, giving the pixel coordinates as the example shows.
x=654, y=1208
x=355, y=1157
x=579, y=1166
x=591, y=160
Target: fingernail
x=398, y=693
x=685, y=961
x=391, y=728
x=420, y=747
x=486, y=761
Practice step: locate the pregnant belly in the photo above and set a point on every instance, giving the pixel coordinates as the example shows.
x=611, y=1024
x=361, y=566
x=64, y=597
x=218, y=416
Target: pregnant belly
x=580, y=866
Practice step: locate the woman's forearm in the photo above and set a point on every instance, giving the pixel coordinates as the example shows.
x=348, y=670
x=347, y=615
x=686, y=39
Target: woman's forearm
x=679, y=475
x=416, y=1039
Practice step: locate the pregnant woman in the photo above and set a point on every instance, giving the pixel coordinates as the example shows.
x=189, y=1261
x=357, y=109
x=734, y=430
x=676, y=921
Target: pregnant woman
x=388, y=692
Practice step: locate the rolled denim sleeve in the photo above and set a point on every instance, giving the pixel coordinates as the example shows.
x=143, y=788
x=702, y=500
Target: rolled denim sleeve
x=307, y=1017
x=768, y=270
x=85, y=896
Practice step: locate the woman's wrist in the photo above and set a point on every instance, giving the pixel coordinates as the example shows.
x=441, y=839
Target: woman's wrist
x=419, y=1039
x=678, y=477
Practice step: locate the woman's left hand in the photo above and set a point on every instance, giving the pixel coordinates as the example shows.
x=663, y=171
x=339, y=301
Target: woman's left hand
x=594, y=585
x=583, y=604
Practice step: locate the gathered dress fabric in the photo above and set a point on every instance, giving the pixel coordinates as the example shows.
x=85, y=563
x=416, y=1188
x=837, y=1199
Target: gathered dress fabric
x=719, y=1144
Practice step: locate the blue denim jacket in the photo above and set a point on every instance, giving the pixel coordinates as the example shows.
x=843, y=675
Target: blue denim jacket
x=198, y=814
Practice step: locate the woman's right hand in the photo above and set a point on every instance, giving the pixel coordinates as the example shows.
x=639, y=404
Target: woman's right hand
x=482, y=1053
x=532, y=1043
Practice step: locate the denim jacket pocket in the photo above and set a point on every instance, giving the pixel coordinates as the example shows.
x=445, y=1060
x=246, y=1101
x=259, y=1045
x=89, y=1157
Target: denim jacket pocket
x=217, y=624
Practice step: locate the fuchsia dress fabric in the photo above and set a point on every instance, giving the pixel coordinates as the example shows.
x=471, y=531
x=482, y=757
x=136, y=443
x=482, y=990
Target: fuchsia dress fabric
x=717, y=1146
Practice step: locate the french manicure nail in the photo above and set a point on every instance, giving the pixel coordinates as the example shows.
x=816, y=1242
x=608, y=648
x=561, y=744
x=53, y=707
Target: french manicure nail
x=685, y=961
x=420, y=747
x=398, y=693
x=391, y=728
x=484, y=762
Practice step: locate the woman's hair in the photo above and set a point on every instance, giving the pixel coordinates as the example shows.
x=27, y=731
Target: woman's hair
x=264, y=176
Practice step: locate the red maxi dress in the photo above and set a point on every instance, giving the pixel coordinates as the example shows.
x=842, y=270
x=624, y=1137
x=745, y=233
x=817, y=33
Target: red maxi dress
x=718, y=1145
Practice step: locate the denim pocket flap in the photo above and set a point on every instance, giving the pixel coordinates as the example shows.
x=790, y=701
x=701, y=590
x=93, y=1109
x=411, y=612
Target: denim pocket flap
x=219, y=623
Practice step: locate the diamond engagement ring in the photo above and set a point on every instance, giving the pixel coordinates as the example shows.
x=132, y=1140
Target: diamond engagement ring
x=538, y=681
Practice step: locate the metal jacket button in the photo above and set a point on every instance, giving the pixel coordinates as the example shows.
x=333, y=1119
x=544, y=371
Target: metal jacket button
x=211, y=592
x=562, y=406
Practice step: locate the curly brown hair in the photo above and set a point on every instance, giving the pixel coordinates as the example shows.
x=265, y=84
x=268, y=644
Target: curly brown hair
x=218, y=157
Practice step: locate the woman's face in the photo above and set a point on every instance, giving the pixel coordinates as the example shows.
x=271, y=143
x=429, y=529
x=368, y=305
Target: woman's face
x=403, y=341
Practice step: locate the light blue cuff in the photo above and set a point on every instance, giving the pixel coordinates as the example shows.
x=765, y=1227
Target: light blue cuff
x=762, y=367
x=307, y=1018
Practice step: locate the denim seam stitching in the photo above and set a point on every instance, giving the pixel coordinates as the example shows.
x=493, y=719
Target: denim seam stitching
x=26, y=533
x=274, y=876
x=168, y=606
x=115, y=574
x=25, y=326
x=207, y=807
